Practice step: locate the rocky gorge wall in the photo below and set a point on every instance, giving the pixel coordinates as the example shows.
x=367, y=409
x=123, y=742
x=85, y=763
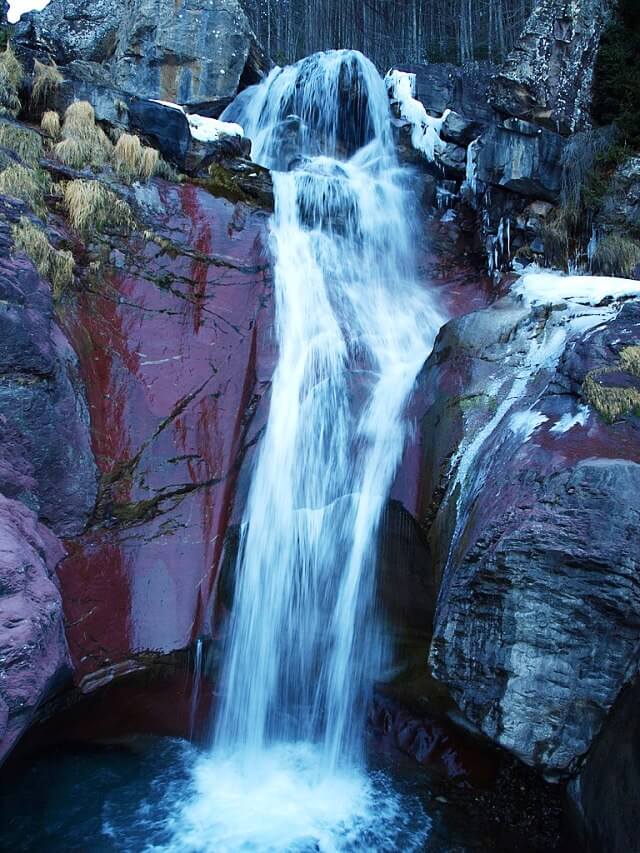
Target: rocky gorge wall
x=509, y=558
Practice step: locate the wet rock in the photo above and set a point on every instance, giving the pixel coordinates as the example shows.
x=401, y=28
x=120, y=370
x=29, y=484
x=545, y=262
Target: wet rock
x=176, y=352
x=441, y=86
x=45, y=448
x=547, y=78
x=460, y=130
x=33, y=650
x=531, y=502
x=604, y=794
x=522, y=158
x=166, y=128
x=452, y=158
x=196, y=52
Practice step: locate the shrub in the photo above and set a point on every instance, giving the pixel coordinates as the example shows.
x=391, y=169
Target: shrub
x=55, y=265
x=83, y=142
x=91, y=206
x=11, y=74
x=615, y=255
x=28, y=185
x=50, y=124
x=46, y=79
x=26, y=143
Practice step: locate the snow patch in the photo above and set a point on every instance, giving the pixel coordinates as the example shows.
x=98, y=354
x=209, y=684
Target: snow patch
x=203, y=128
x=425, y=134
x=568, y=421
x=552, y=287
x=524, y=424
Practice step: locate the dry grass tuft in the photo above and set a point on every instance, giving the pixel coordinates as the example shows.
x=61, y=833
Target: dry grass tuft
x=26, y=143
x=149, y=163
x=55, y=265
x=46, y=80
x=91, y=206
x=127, y=155
x=83, y=142
x=134, y=161
x=11, y=74
x=555, y=236
x=617, y=256
x=50, y=124
x=28, y=185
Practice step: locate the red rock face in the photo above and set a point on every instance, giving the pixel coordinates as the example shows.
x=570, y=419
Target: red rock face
x=175, y=351
x=33, y=652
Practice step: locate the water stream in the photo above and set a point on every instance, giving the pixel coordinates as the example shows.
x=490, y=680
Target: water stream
x=353, y=327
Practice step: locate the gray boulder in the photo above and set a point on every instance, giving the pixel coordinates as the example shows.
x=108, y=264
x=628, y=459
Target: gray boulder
x=547, y=78
x=197, y=51
x=532, y=503
x=522, y=158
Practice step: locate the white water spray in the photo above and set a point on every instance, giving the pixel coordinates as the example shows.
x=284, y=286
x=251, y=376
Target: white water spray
x=354, y=328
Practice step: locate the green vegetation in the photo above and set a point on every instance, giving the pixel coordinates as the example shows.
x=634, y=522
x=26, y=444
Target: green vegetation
x=55, y=265
x=11, y=74
x=26, y=143
x=612, y=402
x=616, y=85
x=28, y=185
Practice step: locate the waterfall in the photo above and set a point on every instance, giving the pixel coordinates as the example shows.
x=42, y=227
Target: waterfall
x=353, y=328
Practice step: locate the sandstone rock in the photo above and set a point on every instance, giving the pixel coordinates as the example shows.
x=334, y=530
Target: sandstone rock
x=532, y=501
x=174, y=340
x=33, y=650
x=547, y=77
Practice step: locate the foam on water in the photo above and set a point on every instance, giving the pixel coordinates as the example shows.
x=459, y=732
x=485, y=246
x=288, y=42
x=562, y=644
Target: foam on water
x=286, y=801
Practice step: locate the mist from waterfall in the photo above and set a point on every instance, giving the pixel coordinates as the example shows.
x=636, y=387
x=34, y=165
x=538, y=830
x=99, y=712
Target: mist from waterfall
x=305, y=641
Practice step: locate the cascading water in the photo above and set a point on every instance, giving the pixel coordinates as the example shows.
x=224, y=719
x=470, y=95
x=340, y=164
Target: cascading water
x=353, y=328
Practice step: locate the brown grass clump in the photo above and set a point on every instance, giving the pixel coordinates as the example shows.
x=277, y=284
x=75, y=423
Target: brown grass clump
x=555, y=236
x=617, y=256
x=46, y=80
x=28, y=185
x=50, y=124
x=11, y=74
x=127, y=155
x=83, y=142
x=134, y=161
x=149, y=162
x=91, y=206
x=55, y=265
x=26, y=143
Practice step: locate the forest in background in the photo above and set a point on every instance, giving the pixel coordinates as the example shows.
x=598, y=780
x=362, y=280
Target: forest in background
x=390, y=31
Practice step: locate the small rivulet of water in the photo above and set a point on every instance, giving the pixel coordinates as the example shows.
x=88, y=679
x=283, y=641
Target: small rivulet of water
x=353, y=325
